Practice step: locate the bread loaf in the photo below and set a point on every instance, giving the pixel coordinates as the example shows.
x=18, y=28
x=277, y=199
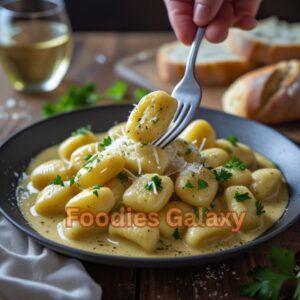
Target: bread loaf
x=270, y=42
x=215, y=65
x=270, y=94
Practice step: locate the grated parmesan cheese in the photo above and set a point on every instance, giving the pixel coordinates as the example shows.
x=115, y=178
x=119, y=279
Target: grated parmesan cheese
x=154, y=188
x=202, y=144
x=156, y=156
x=139, y=163
x=130, y=173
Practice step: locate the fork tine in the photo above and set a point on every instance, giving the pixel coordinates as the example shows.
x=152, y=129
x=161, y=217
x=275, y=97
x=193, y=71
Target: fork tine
x=178, y=111
x=176, y=127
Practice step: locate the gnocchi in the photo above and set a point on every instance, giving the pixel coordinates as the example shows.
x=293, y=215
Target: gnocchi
x=196, y=185
x=266, y=184
x=99, y=169
x=146, y=237
x=149, y=192
x=151, y=118
x=201, y=133
x=240, y=199
x=77, y=139
x=46, y=172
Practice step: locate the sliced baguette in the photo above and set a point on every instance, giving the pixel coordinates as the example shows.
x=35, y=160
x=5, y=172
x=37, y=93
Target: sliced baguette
x=270, y=42
x=270, y=94
x=215, y=64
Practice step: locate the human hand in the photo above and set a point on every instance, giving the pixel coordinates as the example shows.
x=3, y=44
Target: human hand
x=217, y=15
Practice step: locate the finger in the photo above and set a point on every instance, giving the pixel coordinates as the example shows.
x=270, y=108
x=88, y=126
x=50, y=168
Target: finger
x=217, y=30
x=205, y=11
x=181, y=18
x=246, y=23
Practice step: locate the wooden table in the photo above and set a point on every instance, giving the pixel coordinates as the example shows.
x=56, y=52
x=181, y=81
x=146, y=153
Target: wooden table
x=220, y=281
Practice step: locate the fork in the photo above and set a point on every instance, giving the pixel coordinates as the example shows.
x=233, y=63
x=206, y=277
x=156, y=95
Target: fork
x=188, y=93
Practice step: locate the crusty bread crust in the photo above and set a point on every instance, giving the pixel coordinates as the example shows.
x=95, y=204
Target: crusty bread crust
x=270, y=94
x=210, y=73
x=261, y=52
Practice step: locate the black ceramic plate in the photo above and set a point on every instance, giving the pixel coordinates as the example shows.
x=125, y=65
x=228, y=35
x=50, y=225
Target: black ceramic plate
x=16, y=153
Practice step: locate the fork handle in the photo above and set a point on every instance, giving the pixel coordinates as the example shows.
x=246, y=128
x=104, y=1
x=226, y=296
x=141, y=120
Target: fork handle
x=190, y=65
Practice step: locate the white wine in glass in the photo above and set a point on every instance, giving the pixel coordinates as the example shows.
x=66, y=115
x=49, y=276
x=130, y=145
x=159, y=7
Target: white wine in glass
x=35, y=43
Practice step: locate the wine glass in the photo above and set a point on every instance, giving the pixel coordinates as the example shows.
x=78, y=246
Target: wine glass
x=35, y=43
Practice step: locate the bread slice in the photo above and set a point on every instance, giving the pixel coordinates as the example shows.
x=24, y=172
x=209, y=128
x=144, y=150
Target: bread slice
x=270, y=94
x=270, y=42
x=215, y=65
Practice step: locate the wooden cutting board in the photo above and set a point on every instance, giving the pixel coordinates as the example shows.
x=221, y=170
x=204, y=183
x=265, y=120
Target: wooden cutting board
x=141, y=70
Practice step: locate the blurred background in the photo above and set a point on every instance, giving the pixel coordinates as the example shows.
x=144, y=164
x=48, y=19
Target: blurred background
x=141, y=15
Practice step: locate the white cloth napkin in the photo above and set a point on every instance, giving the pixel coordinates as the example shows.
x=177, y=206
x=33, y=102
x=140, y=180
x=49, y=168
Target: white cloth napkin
x=30, y=271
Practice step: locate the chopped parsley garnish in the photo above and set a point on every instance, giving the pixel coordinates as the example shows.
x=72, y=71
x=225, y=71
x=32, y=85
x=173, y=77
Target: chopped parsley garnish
x=188, y=151
x=156, y=181
x=117, y=91
x=88, y=165
x=87, y=157
x=106, y=142
x=95, y=190
x=267, y=282
x=122, y=177
x=72, y=180
x=259, y=208
x=232, y=139
x=196, y=212
x=58, y=181
x=235, y=163
x=82, y=130
x=176, y=234
x=205, y=210
x=241, y=197
x=202, y=184
x=74, y=98
x=188, y=185
x=222, y=175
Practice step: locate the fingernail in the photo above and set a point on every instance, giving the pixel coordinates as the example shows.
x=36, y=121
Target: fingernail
x=201, y=13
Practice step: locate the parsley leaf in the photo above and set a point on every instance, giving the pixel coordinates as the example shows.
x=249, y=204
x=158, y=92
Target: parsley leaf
x=138, y=94
x=156, y=181
x=235, y=163
x=232, y=139
x=117, y=91
x=196, y=212
x=58, y=181
x=74, y=98
x=188, y=151
x=222, y=175
x=266, y=282
x=241, y=197
x=87, y=157
x=95, y=190
x=106, y=142
x=82, y=130
x=72, y=180
x=283, y=260
x=176, y=234
x=188, y=185
x=205, y=210
x=259, y=208
x=202, y=184
x=122, y=177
